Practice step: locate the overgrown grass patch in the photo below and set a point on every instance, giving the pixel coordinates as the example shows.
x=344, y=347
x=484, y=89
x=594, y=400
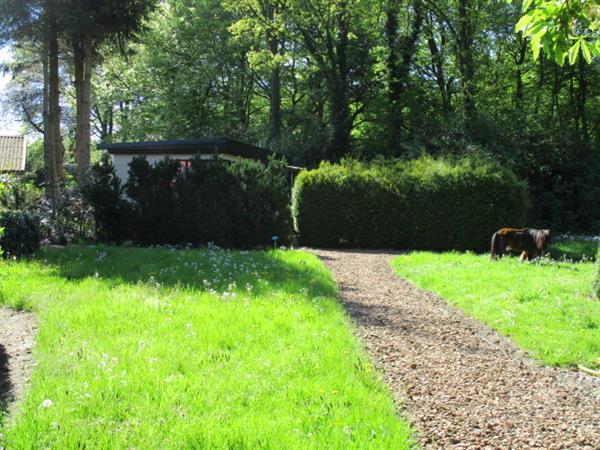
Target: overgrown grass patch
x=547, y=307
x=152, y=348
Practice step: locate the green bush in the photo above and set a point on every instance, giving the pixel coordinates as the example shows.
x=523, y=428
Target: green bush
x=239, y=204
x=20, y=194
x=21, y=233
x=433, y=204
x=103, y=191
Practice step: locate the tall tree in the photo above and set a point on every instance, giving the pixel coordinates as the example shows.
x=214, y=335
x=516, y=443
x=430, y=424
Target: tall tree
x=36, y=23
x=335, y=36
x=402, y=46
x=266, y=21
x=89, y=24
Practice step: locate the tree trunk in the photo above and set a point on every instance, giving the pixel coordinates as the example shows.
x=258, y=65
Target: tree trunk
x=519, y=60
x=340, y=117
x=338, y=87
x=437, y=67
x=465, y=62
x=581, y=100
x=394, y=77
x=401, y=49
x=53, y=148
x=275, y=85
x=82, y=63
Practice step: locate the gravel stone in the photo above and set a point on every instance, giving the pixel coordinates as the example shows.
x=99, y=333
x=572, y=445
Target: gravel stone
x=461, y=383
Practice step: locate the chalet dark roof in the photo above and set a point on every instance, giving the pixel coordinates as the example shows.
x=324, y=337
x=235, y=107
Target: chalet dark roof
x=216, y=146
x=13, y=151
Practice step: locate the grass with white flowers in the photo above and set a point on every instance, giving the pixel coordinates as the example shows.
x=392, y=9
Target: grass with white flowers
x=155, y=348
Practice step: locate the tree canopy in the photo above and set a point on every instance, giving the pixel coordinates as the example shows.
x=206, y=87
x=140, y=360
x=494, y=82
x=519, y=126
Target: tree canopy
x=321, y=80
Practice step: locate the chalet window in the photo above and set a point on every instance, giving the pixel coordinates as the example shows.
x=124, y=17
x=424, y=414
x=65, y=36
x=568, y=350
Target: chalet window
x=184, y=166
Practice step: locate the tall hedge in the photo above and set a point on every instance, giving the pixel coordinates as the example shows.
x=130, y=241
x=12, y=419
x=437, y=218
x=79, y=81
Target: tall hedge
x=240, y=204
x=433, y=204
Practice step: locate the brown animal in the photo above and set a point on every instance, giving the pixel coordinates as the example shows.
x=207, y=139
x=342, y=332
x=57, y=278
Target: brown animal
x=527, y=241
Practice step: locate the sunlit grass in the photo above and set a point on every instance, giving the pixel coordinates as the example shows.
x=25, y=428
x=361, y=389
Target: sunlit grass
x=546, y=307
x=152, y=348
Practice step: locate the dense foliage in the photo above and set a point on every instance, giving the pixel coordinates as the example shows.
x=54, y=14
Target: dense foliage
x=320, y=80
x=427, y=203
x=240, y=204
x=563, y=30
x=67, y=218
x=21, y=233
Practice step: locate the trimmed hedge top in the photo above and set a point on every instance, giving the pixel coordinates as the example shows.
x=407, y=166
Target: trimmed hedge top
x=429, y=204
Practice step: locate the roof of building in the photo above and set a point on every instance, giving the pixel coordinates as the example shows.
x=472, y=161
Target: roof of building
x=13, y=152
x=216, y=146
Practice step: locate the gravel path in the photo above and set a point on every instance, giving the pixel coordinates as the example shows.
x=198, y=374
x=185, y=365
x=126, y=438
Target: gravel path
x=461, y=383
x=17, y=333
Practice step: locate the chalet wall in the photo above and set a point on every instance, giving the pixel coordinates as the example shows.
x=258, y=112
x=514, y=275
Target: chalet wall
x=121, y=162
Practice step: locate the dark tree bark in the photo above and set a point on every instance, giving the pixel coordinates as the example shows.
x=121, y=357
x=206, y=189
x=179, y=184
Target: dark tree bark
x=275, y=121
x=53, y=147
x=82, y=65
x=401, y=50
x=582, y=125
x=437, y=68
x=338, y=85
x=520, y=54
x=466, y=64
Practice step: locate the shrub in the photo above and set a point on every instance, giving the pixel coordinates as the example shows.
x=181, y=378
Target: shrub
x=68, y=220
x=21, y=233
x=261, y=202
x=434, y=204
x=232, y=204
x=152, y=190
x=20, y=194
x=103, y=191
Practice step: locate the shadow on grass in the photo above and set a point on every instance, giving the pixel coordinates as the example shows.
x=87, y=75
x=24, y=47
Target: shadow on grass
x=262, y=272
x=574, y=250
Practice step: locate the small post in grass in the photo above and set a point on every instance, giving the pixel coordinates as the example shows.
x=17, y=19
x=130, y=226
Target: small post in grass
x=274, y=239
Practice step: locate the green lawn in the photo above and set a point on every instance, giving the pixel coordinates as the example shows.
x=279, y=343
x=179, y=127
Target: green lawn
x=546, y=307
x=153, y=348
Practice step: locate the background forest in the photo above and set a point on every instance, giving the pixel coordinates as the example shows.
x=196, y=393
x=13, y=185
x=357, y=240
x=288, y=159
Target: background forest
x=321, y=80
